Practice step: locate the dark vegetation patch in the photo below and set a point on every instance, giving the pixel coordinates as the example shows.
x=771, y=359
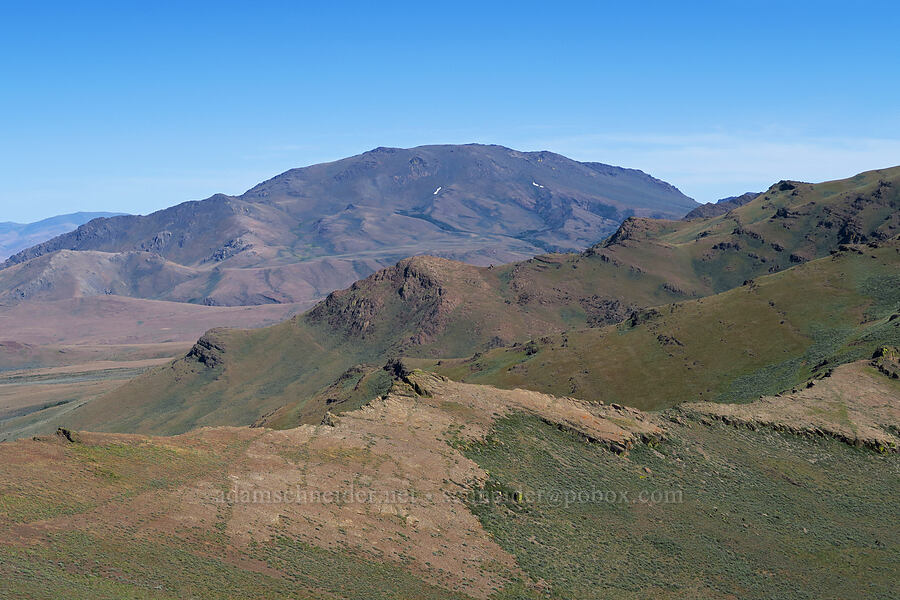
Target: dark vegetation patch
x=763, y=514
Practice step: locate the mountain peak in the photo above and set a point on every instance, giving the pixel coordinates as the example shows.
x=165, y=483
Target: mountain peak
x=320, y=227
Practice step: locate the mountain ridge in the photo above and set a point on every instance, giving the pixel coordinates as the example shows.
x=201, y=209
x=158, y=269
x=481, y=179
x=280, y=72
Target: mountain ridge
x=480, y=204
x=431, y=308
x=15, y=237
x=720, y=207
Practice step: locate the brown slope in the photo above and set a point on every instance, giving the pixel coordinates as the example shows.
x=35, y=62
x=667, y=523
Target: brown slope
x=67, y=274
x=403, y=454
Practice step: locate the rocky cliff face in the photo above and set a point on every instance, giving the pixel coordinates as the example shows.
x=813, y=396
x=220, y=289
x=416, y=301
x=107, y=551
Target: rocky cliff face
x=419, y=292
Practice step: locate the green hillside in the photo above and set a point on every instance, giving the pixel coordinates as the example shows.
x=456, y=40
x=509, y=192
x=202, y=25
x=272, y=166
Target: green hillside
x=773, y=333
x=761, y=514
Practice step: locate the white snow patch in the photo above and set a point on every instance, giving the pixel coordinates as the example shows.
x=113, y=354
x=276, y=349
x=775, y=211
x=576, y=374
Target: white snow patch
x=437, y=190
x=537, y=185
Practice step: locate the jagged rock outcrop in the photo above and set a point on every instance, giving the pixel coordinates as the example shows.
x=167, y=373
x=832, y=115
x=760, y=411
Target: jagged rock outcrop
x=209, y=349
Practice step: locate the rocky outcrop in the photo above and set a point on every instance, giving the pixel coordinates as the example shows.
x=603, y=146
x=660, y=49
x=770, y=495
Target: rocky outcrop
x=209, y=349
x=419, y=288
x=68, y=435
x=887, y=360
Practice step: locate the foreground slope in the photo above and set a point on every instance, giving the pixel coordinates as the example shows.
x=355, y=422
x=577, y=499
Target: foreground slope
x=308, y=231
x=448, y=490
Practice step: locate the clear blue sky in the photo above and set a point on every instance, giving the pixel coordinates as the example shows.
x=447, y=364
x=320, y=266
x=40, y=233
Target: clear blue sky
x=137, y=106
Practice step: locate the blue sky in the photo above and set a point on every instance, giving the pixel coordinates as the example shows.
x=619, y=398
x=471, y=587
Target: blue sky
x=138, y=106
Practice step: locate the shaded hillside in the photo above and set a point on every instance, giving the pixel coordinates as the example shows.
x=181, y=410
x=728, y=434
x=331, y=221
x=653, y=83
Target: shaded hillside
x=344, y=220
x=714, y=209
x=15, y=237
x=429, y=307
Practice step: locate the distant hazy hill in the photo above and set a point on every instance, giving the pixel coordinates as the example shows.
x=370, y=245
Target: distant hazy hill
x=714, y=209
x=15, y=237
x=311, y=230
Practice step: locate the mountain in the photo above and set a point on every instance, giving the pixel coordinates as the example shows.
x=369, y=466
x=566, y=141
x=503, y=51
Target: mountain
x=433, y=308
x=15, y=237
x=308, y=231
x=68, y=274
x=720, y=207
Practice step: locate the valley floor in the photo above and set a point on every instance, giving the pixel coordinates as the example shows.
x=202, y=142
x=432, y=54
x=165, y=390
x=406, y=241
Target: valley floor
x=57, y=356
x=33, y=401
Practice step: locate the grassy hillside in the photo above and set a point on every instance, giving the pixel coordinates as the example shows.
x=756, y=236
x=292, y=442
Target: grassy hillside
x=775, y=332
x=456, y=491
x=762, y=514
x=790, y=223
x=430, y=308
x=355, y=388
x=432, y=305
